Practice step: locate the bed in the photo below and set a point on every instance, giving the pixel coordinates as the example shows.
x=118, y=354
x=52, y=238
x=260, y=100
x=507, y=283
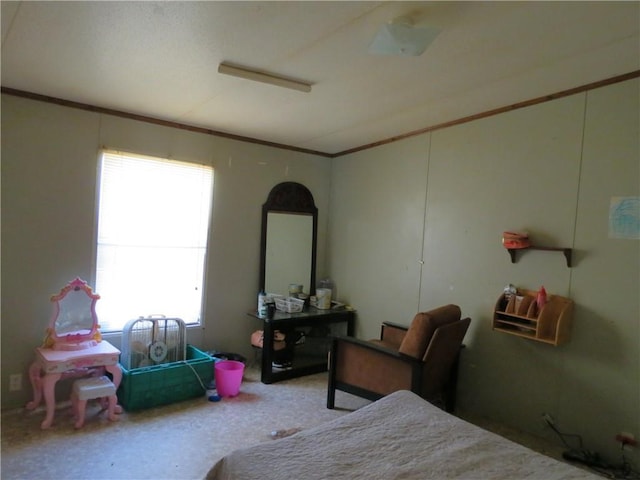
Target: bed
x=400, y=436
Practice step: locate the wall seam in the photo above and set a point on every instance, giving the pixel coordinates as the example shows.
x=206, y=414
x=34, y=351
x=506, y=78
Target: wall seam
x=578, y=190
x=562, y=366
x=424, y=221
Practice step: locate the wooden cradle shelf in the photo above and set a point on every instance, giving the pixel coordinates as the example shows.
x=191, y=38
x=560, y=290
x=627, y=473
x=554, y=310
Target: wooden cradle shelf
x=519, y=316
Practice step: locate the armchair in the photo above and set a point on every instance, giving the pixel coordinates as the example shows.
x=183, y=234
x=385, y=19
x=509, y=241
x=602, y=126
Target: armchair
x=422, y=358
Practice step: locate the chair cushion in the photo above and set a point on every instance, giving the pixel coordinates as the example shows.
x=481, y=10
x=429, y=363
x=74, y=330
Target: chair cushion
x=423, y=326
x=385, y=344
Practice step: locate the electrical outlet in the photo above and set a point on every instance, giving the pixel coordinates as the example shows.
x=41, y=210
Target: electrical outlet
x=15, y=382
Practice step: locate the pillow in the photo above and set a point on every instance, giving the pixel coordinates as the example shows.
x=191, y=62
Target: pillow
x=423, y=326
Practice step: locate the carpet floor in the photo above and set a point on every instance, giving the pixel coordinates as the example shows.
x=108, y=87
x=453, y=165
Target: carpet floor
x=175, y=442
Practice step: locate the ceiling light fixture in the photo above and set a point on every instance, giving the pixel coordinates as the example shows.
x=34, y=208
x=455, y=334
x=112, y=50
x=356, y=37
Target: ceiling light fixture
x=256, y=76
x=401, y=37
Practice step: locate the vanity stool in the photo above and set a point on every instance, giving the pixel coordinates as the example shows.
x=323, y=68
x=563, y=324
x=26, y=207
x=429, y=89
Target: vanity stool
x=90, y=388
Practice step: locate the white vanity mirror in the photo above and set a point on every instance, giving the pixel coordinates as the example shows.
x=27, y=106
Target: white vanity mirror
x=74, y=323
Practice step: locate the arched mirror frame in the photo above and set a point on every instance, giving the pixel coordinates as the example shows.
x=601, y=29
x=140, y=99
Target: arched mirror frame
x=84, y=334
x=295, y=198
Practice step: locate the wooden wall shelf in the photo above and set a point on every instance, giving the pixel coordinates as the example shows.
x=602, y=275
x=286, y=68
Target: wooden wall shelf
x=567, y=252
x=520, y=316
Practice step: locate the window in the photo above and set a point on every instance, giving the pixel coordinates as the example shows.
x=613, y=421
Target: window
x=153, y=222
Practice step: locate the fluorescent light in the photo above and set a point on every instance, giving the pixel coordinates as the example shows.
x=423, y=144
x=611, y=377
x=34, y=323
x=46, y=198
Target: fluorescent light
x=256, y=76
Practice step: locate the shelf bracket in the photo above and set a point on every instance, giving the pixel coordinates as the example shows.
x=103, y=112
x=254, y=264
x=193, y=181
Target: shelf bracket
x=568, y=252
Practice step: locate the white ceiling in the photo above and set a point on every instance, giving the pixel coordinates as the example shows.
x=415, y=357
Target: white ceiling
x=160, y=59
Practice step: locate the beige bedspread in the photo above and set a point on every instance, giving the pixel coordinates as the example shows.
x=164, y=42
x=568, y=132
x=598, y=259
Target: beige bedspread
x=398, y=437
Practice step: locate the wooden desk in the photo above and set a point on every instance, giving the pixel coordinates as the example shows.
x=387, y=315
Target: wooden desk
x=51, y=365
x=319, y=326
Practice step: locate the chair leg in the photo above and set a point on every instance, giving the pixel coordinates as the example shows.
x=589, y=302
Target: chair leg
x=452, y=386
x=331, y=397
x=104, y=404
x=113, y=403
x=74, y=405
x=331, y=386
x=80, y=412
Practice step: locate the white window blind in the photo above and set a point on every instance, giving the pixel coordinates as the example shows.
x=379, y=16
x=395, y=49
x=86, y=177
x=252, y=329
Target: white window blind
x=153, y=223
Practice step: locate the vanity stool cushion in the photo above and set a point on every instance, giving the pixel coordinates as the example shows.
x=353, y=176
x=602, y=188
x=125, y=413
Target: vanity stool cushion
x=93, y=387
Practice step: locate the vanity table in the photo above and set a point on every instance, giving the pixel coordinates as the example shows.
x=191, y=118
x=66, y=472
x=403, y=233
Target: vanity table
x=73, y=347
x=52, y=365
x=288, y=249
x=318, y=327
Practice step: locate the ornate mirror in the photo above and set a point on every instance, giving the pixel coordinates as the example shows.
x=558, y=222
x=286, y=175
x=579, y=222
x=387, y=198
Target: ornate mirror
x=74, y=323
x=288, y=240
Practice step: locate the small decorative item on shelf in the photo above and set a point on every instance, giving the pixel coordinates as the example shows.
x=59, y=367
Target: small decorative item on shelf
x=541, y=298
x=516, y=240
x=509, y=291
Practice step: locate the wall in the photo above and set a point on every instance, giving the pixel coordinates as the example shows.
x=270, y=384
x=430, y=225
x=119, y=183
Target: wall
x=418, y=223
x=49, y=171
x=413, y=224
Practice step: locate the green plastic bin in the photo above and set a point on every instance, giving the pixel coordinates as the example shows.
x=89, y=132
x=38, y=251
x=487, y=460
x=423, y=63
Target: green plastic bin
x=167, y=383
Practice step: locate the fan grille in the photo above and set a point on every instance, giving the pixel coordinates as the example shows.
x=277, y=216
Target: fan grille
x=153, y=341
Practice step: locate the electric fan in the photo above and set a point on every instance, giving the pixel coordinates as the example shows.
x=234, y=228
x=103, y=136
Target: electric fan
x=153, y=340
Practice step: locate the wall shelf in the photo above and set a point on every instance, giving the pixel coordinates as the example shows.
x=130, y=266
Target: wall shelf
x=567, y=252
x=520, y=316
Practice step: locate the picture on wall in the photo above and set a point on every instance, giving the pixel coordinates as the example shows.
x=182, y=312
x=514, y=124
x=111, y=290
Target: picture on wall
x=624, y=218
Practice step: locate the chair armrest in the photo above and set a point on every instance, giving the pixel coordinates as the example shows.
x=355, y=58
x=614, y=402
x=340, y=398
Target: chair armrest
x=375, y=348
x=370, y=369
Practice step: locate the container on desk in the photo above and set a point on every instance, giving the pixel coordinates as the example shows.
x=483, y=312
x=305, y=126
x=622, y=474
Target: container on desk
x=295, y=289
x=323, y=298
x=289, y=304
